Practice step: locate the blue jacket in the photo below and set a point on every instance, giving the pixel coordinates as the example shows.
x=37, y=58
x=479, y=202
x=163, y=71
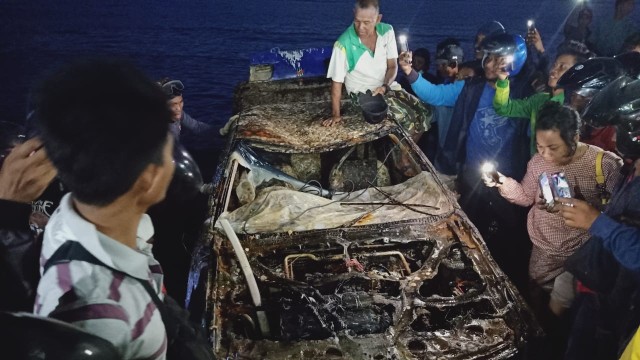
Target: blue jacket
x=622, y=240
x=464, y=96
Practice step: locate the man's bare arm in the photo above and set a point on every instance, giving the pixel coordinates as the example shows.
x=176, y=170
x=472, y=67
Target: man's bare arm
x=389, y=76
x=336, y=96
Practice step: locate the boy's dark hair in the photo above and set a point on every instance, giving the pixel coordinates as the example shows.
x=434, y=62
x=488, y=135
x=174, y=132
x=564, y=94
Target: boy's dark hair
x=423, y=53
x=102, y=123
x=576, y=49
x=555, y=116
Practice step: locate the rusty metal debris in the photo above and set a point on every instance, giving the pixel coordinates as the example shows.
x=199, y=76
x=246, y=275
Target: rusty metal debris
x=372, y=272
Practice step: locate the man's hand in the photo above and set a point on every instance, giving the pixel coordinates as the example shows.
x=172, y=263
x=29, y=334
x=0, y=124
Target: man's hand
x=543, y=205
x=533, y=38
x=500, y=69
x=334, y=120
x=405, y=59
x=577, y=213
x=380, y=90
x=26, y=172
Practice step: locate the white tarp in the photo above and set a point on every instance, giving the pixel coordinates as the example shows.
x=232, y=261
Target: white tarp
x=279, y=209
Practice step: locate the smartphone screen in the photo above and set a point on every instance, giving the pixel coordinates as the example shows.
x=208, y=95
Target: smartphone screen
x=545, y=188
x=561, y=185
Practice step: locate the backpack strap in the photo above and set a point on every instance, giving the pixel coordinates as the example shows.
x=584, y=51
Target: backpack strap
x=605, y=196
x=73, y=250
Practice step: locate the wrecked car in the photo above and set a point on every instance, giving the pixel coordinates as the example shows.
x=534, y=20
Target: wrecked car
x=343, y=243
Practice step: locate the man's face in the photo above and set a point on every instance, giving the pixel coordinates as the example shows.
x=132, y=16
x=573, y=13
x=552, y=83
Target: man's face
x=175, y=105
x=491, y=65
x=562, y=64
x=446, y=71
x=365, y=21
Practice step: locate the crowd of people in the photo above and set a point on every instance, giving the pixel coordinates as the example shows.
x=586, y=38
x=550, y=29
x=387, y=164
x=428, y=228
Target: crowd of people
x=565, y=123
x=575, y=123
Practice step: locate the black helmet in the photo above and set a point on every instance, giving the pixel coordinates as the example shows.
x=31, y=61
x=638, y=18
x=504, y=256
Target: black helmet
x=187, y=178
x=28, y=336
x=589, y=77
x=631, y=63
x=602, y=110
x=506, y=45
x=619, y=104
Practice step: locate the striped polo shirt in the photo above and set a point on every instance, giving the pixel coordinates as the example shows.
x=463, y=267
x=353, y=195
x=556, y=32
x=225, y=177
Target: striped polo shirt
x=108, y=304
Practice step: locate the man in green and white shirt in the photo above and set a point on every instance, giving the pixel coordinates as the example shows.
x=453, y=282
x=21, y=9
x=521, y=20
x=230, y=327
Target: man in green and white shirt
x=364, y=57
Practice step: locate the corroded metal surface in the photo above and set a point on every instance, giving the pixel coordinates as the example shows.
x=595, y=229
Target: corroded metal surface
x=297, y=127
x=425, y=288
x=248, y=95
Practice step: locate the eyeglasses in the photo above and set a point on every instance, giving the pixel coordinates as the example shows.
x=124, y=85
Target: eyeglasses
x=173, y=88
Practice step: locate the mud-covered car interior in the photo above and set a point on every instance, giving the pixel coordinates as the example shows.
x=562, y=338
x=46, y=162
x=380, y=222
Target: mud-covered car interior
x=357, y=252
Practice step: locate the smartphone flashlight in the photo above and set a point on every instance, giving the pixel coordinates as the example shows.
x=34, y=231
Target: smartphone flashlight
x=402, y=43
x=530, y=25
x=489, y=169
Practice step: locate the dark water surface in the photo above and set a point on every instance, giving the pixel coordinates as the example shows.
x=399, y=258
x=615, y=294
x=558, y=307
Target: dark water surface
x=207, y=44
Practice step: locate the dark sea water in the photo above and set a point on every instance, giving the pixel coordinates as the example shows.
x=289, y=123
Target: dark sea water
x=207, y=43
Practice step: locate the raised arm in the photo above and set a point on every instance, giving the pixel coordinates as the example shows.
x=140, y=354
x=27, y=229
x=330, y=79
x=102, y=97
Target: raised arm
x=436, y=95
x=508, y=107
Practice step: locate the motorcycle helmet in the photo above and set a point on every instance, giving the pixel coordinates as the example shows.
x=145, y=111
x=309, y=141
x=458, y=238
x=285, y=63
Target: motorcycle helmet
x=619, y=104
x=589, y=77
x=513, y=47
x=187, y=179
x=631, y=63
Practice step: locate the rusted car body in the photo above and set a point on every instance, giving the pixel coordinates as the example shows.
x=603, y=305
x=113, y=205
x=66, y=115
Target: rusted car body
x=357, y=249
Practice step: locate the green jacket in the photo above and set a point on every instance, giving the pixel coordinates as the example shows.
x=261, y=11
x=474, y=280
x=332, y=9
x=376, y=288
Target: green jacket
x=523, y=108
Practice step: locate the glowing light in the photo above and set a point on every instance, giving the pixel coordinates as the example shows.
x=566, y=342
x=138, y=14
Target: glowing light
x=88, y=352
x=488, y=167
x=402, y=43
x=529, y=23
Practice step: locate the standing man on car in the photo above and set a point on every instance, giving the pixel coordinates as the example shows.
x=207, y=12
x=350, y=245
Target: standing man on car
x=364, y=59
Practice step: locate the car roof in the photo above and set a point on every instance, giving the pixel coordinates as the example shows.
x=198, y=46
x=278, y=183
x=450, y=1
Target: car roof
x=297, y=127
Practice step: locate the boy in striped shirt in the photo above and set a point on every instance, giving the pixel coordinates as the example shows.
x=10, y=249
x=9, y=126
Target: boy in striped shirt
x=105, y=127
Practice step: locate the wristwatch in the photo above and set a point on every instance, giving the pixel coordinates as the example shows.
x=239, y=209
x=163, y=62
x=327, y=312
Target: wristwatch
x=386, y=88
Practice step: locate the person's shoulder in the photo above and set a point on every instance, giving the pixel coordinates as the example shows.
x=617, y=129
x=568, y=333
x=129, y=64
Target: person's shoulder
x=384, y=28
x=612, y=159
x=345, y=38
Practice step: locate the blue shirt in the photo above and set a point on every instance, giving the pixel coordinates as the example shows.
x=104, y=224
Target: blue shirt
x=492, y=137
x=621, y=239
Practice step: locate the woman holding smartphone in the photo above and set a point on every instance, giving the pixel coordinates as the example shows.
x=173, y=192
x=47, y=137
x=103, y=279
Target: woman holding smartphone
x=559, y=150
